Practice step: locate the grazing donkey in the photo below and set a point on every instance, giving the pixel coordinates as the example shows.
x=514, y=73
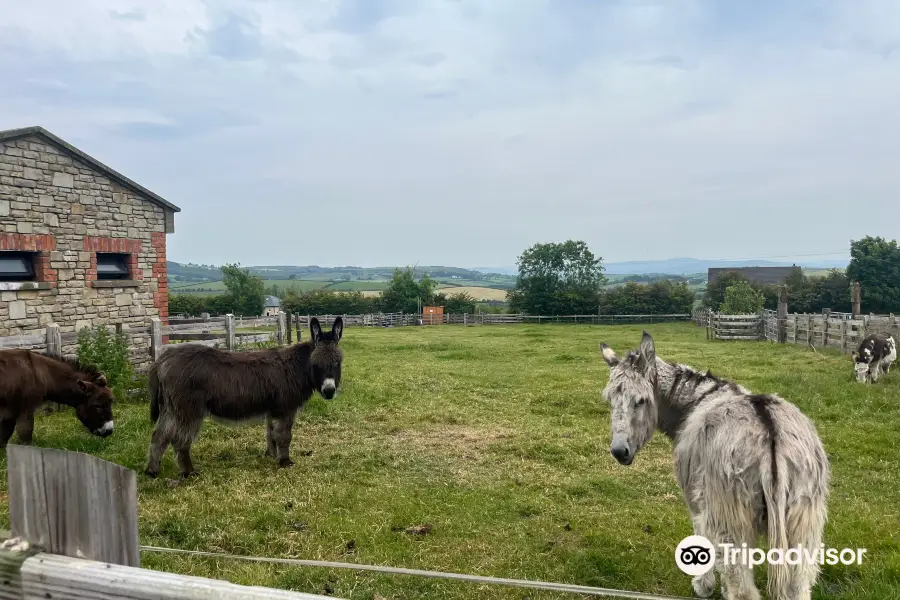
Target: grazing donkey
x=875, y=355
x=190, y=382
x=29, y=379
x=747, y=464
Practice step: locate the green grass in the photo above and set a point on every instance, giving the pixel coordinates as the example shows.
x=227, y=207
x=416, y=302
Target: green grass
x=497, y=438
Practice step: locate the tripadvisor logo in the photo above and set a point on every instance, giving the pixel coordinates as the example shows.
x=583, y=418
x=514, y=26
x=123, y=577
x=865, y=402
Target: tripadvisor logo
x=696, y=555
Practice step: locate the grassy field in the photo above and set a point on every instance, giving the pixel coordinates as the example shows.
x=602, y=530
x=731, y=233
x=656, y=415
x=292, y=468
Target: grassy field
x=369, y=288
x=494, y=440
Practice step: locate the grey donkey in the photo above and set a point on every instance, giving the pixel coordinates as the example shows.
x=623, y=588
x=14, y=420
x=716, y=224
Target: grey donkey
x=190, y=382
x=747, y=464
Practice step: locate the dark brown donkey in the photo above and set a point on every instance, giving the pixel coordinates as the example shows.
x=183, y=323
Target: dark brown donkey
x=190, y=382
x=29, y=379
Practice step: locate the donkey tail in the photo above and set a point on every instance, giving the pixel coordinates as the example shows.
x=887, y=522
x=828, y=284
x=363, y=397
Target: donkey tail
x=153, y=387
x=775, y=486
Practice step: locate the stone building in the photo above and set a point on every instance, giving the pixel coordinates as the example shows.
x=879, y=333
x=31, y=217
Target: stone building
x=80, y=244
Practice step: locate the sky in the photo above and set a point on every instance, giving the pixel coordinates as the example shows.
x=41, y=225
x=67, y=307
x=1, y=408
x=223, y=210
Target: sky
x=460, y=132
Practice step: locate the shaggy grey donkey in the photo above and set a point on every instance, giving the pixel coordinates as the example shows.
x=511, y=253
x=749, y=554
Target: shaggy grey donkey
x=747, y=464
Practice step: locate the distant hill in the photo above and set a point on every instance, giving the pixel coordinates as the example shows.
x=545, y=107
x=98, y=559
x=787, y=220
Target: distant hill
x=685, y=266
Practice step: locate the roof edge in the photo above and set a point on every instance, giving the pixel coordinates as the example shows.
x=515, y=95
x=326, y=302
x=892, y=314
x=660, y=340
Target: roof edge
x=12, y=134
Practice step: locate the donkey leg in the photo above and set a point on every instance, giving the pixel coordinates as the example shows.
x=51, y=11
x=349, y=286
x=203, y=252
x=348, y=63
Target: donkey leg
x=159, y=442
x=7, y=427
x=183, y=455
x=704, y=585
x=735, y=529
x=283, y=432
x=25, y=427
x=270, y=437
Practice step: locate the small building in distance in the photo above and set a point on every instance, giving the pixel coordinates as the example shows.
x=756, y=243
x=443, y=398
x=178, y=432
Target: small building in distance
x=273, y=305
x=759, y=275
x=80, y=244
x=432, y=315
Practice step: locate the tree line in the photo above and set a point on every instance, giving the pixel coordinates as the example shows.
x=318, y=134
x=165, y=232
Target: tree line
x=567, y=278
x=245, y=295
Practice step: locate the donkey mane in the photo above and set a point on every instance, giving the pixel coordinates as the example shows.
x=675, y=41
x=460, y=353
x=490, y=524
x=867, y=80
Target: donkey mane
x=90, y=370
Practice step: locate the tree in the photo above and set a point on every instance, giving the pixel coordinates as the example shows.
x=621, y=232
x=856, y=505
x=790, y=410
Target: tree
x=189, y=304
x=460, y=302
x=741, y=299
x=557, y=278
x=246, y=292
x=875, y=264
x=662, y=297
x=404, y=293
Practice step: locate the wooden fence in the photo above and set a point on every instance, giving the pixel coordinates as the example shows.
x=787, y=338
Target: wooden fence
x=840, y=331
x=284, y=328
x=74, y=534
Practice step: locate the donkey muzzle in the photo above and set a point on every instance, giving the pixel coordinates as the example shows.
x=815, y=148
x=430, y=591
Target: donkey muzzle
x=329, y=389
x=622, y=454
x=106, y=430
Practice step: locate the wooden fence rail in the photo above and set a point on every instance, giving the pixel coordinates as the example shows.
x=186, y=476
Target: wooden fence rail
x=841, y=331
x=74, y=534
x=284, y=328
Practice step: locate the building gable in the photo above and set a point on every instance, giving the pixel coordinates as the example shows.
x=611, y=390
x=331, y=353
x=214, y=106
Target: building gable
x=115, y=176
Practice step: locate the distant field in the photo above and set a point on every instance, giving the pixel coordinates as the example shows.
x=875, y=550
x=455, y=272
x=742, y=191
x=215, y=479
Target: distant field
x=369, y=288
x=477, y=292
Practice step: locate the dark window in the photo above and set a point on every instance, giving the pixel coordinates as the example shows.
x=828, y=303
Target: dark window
x=112, y=266
x=16, y=266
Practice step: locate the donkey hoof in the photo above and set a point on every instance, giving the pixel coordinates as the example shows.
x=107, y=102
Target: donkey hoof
x=191, y=474
x=151, y=473
x=285, y=462
x=704, y=586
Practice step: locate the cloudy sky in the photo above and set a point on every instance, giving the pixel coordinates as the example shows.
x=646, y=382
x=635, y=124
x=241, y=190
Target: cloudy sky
x=382, y=132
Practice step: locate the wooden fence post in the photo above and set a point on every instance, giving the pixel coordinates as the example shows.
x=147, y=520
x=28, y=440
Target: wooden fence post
x=54, y=341
x=826, y=314
x=155, y=338
x=73, y=504
x=843, y=336
x=289, y=321
x=856, y=299
x=229, y=331
x=54, y=348
x=280, y=334
x=299, y=329
x=782, y=314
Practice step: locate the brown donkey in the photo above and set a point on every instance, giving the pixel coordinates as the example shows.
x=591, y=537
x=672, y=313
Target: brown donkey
x=29, y=379
x=190, y=382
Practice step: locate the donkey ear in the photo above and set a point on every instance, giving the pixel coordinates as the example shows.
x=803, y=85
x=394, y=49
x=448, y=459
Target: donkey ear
x=608, y=355
x=647, y=351
x=315, y=330
x=82, y=385
x=337, y=328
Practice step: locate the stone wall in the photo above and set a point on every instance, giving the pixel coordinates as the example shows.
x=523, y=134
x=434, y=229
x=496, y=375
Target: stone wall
x=66, y=211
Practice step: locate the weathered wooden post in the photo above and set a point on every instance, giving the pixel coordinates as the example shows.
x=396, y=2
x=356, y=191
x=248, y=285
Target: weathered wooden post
x=229, y=331
x=73, y=504
x=826, y=314
x=781, y=317
x=156, y=342
x=280, y=334
x=856, y=298
x=843, y=336
x=53, y=339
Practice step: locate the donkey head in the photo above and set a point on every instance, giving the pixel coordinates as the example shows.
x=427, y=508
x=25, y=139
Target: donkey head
x=325, y=360
x=94, y=408
x=632, y=399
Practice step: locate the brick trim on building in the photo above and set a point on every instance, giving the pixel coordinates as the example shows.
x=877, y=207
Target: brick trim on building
x=41, y=245
x=160, y=274
x=127, y=246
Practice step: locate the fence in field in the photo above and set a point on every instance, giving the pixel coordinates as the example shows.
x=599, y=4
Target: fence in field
x=229, y=332
x=74, y=534
x=838, y=330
